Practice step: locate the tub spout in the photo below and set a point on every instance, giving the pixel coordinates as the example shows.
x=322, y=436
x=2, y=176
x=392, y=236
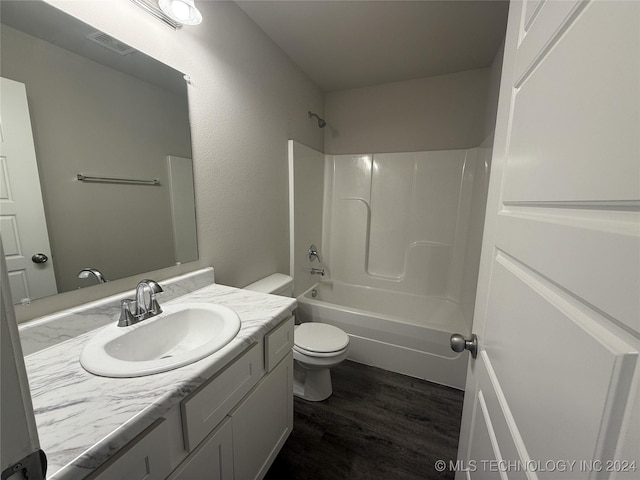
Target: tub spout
x=317, y=271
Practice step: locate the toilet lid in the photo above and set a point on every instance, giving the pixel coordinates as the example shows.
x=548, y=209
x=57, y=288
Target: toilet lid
x=320, y=337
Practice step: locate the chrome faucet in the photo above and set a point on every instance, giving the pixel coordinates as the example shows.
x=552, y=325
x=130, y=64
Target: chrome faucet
x=152, y=308
x=134, y=311
x=317, y=271
x=87, y=272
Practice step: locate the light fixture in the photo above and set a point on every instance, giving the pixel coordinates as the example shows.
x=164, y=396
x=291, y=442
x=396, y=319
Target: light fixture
x=182, y=11
x=152, y=8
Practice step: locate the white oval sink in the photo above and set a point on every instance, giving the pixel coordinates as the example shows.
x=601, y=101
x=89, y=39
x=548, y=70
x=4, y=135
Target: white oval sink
x=180, y=335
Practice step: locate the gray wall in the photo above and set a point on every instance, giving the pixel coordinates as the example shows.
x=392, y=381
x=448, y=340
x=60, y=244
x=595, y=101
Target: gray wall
x=246, y=100
x=434, y=113
x=87, y=118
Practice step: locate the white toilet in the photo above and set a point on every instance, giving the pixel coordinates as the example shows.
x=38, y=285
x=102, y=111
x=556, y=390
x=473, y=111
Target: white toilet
x=317, y=346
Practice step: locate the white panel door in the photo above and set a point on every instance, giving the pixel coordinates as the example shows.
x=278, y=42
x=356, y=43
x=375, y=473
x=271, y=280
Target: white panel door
x=554, y=391
x=22, y=221
x=19, y=443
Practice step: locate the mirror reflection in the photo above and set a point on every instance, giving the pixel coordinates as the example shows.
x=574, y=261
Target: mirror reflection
x=96, y=171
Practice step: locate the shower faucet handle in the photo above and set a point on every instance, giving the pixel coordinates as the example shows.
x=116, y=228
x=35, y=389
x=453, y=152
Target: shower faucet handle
x=313, y=253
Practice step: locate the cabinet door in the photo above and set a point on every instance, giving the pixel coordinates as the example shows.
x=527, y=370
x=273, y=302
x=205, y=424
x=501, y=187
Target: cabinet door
x=263, y=422
x=145, y=458
x=212, y=459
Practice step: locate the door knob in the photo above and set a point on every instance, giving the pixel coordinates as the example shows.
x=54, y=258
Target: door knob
x=39, y=258
x=459, y=343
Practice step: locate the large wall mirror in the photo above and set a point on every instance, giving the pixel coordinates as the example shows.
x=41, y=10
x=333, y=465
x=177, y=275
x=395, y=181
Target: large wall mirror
x=95, y=167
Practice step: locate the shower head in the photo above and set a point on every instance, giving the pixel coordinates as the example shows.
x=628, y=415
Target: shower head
x=321, y=122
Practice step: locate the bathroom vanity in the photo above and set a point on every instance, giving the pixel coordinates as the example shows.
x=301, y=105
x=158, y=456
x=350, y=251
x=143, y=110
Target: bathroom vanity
x=225, y=416
x=232, y=426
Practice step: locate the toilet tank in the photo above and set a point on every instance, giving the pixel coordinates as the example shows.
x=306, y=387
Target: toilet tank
x=275, y=284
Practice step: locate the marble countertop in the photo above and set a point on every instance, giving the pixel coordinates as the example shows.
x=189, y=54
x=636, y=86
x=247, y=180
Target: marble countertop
x=83, y=420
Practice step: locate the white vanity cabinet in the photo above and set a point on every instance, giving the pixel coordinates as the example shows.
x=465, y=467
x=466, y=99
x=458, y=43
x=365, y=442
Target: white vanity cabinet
x=235, y=424
x=231, y=427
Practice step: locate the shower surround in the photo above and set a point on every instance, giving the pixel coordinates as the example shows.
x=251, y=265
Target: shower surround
x=407, y=222
x=401, y=238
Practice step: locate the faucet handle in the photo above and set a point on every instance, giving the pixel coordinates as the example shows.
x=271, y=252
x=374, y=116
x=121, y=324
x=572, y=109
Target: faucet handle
x=154, y=306
x=126, y=317
x=313, y=253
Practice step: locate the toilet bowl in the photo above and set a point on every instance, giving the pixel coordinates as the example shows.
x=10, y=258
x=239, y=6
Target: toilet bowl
x=317, y=346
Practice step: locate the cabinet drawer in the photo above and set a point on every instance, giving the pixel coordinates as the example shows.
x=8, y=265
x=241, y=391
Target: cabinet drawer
x=145, y=458
x=278, y=343
x=207, y=406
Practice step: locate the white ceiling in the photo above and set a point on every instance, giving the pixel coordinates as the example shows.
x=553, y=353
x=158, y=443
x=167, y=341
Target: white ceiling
x=352, y=44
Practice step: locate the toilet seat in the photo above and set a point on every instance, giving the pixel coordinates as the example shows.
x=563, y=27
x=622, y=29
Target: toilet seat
x=307, y=353
x=319, y=339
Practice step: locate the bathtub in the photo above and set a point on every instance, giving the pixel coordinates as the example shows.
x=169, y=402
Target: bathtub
x=399, y=332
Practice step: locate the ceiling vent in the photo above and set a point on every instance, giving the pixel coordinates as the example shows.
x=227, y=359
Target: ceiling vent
x=111, y=43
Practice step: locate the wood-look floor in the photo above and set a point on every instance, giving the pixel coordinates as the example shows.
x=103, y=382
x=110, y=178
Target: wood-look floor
x=376, y=425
